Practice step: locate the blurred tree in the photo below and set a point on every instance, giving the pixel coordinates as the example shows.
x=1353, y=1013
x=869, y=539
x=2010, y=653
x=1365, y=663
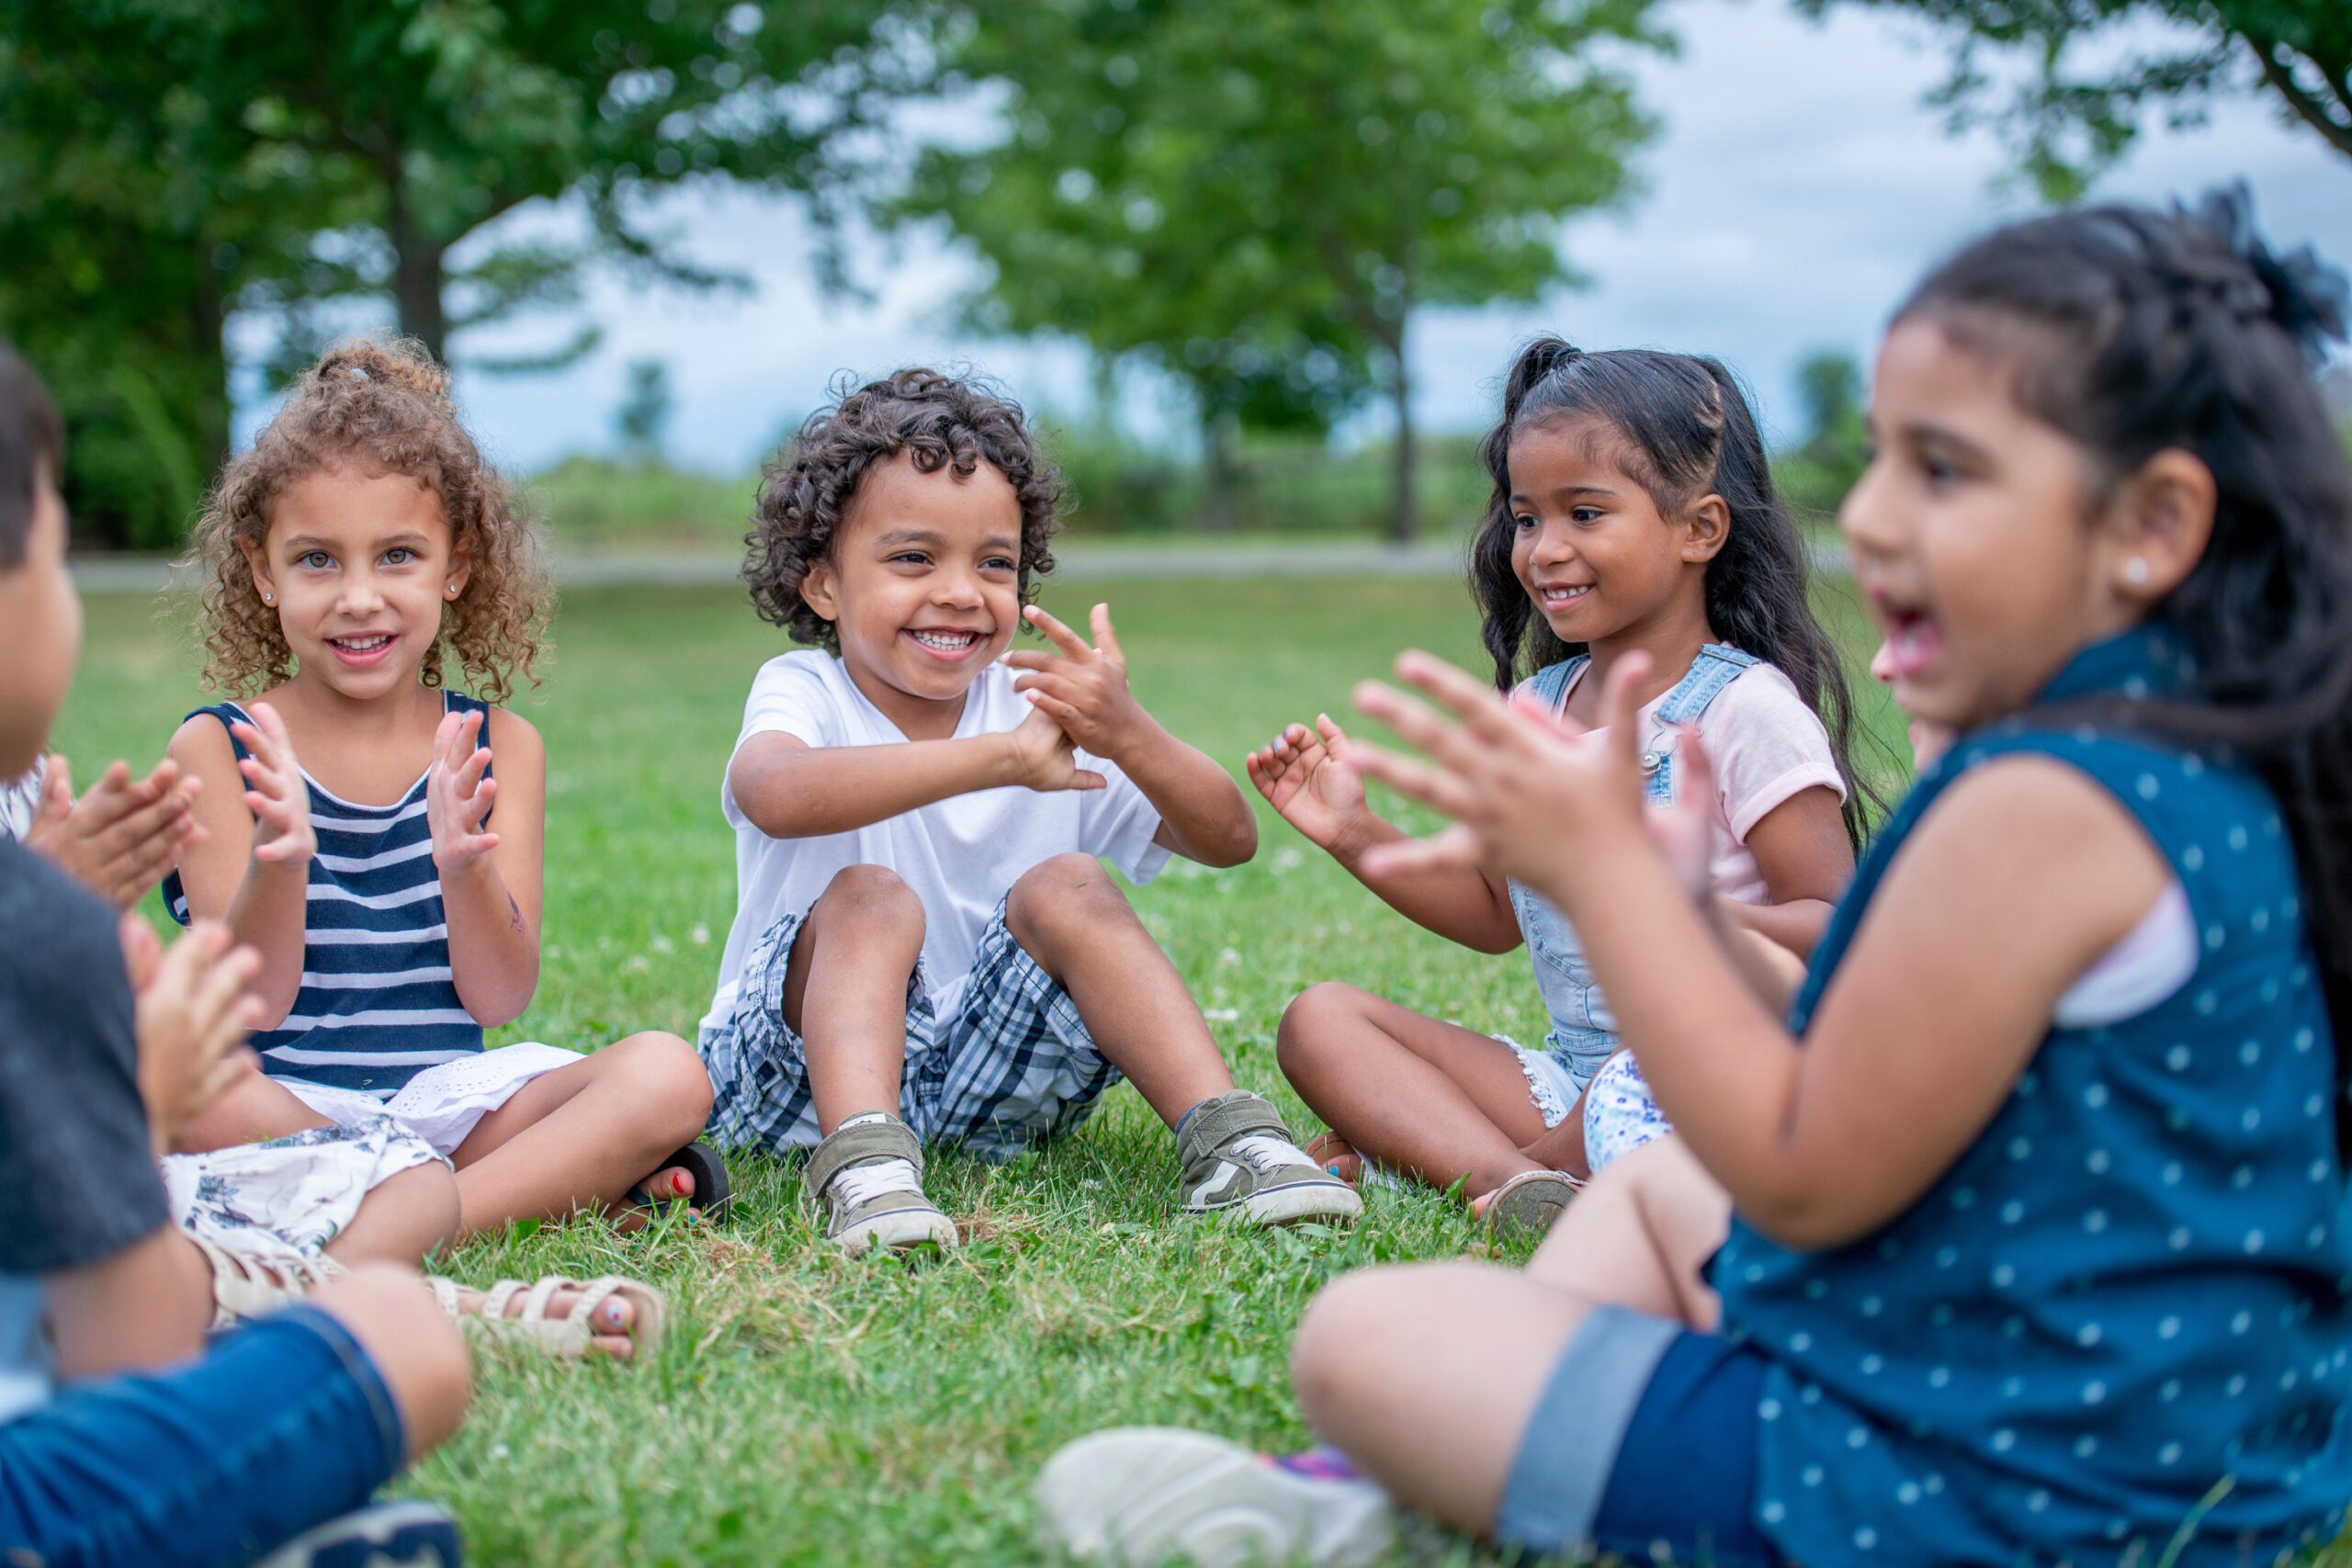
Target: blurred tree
x=166, y=161
x=644, y=413
x=1814, y=476
x=2090, y=70
x=1255, y=197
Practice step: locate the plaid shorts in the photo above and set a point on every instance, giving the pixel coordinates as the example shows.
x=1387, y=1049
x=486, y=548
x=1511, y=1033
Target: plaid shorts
x=1011, y=1066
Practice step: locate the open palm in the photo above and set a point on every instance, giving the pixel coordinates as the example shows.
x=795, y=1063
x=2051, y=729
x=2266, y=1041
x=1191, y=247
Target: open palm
x=1305, y=776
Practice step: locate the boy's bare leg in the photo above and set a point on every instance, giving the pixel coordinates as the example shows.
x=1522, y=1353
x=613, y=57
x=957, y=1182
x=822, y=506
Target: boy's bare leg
x=257, y=1108
x=407, y=1218
x=1639, y=1235
x=865, y=931
x=415, y=1348
x=581, y=1136
x=1435, y=1098
x=1426, y=1375
x=1071, y=917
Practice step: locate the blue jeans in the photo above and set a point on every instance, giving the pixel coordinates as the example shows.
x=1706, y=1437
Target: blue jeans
x=280, y=1425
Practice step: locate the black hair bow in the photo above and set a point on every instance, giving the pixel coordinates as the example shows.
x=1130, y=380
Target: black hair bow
x=2308, y=298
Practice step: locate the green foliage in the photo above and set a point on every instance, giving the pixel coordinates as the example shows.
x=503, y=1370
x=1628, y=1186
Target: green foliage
x=1815, y=477
x=591, y=502
x=162, y=162
x=2084, y=74
x=644, y=414
x=1254, y=199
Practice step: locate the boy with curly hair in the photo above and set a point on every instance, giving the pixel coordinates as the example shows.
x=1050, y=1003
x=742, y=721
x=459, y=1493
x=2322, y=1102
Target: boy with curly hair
x=926, y=948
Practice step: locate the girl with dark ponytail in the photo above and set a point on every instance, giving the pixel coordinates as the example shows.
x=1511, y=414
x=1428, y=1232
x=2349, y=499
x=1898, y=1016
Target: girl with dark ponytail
x=2023, y=1238
x=1632, y=515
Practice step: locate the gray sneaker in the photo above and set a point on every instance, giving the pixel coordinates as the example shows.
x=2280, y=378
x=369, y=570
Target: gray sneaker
x=1236, y=1156
x=869, y=1174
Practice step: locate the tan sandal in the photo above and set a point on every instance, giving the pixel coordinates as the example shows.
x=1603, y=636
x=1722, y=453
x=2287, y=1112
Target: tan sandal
x=246, y=1286
x=1530, y=1202
x=567, y=1336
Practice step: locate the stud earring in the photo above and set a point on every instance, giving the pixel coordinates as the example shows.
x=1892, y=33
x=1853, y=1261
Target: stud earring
x=269, y=598
x=2135, y=572
x=453, y=591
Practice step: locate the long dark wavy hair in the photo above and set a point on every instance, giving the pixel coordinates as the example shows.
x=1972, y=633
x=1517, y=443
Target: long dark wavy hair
x=1684, y=431
x=2135, y=331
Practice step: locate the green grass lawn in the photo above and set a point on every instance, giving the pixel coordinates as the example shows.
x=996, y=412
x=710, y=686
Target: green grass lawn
x=810, y=1409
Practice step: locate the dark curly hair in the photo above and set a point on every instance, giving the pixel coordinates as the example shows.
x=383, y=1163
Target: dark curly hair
x=1682, y=430
x=805, y=488
x=384, y=406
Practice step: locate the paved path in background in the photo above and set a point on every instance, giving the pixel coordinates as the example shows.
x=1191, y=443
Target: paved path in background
x=1352, y=557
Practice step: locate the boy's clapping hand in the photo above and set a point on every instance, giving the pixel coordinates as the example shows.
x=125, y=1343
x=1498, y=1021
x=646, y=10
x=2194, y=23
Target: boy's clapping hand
x=119, y=839
x=1085, y=689
x=194, y=1013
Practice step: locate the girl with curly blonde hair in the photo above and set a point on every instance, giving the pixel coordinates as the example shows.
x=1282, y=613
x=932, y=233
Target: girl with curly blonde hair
x=362, y=547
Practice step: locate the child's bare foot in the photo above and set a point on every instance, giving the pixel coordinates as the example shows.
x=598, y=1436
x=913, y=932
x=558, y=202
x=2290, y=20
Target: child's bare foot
x=671, y=1184
x=1339, y=1157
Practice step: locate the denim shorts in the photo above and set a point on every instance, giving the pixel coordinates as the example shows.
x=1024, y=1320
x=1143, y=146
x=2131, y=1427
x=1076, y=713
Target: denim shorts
x=283, y=1424
x=1643, y=1444
x=1012, y=1065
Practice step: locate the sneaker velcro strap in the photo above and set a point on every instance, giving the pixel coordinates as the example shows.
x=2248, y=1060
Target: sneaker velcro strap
x=1228, y=1117
x=855, y=1146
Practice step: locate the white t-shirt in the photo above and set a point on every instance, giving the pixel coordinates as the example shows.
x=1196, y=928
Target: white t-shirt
x=1767, y=747
x=960, y=855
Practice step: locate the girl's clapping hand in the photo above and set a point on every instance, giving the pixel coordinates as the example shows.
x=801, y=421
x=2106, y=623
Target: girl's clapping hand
x=1529, y=796
x=1304, y=776
x=458, y=795
x=276, y=791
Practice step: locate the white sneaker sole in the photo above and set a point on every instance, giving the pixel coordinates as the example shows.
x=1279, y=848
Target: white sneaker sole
x=1140, y=1496
x=907, y=1227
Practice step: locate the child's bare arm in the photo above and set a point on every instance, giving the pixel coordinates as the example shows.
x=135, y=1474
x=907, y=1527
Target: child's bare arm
x=490, y=882
x=252, y=866
x=1801, y=847
x=790, y=789
x=1305, y=777
x=1948, y=990
x=1203, y=815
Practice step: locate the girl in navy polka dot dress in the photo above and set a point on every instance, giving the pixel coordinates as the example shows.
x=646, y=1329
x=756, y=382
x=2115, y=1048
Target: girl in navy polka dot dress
x=2036, y=1245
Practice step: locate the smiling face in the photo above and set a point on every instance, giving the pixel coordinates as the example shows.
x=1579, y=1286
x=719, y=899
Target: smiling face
x=1974, y=534
x=358, y=566
x=1597, y=557
x=922, y=584
x=42, y=617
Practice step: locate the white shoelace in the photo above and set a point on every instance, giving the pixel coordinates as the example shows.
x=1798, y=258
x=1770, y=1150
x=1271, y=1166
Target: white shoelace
x=863, y=1184
x=1263, y=1151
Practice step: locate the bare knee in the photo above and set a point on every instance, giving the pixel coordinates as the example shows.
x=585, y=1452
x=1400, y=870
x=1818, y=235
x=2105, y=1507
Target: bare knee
x=873, y=900
x=414, y=1348
x=668, y=1081
x=1060, y=897
x=1315, y=1021
x=424, y=1198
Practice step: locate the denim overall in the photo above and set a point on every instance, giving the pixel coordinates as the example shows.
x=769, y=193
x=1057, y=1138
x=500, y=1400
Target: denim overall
x=1584, y=1032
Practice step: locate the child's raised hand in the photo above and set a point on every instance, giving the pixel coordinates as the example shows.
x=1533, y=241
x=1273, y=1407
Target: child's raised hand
x=1084, y=690
x=275, y=791
x=1304, y=776
x=119, y=839
x=1529, y=799
x=193, y=1015
x=1047, y=757
x=459, y=793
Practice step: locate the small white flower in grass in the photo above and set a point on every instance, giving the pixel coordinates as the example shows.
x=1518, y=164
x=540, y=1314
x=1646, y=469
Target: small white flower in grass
x=1229, y=957
x=662, y=944
x=1223, y=1015
x=638, y=964
x=1285, y=859
x=699, y=936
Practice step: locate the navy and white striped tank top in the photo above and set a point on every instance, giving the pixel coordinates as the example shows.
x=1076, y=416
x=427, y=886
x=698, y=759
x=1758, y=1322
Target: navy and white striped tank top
x=378, y=1004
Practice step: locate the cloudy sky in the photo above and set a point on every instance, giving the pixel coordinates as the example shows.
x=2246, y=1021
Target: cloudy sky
x=1797, y=188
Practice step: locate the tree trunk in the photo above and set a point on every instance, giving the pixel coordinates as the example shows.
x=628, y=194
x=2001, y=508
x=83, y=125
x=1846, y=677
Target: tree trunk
x=1403, y=516
x=416, y=277
x=1222, y=504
